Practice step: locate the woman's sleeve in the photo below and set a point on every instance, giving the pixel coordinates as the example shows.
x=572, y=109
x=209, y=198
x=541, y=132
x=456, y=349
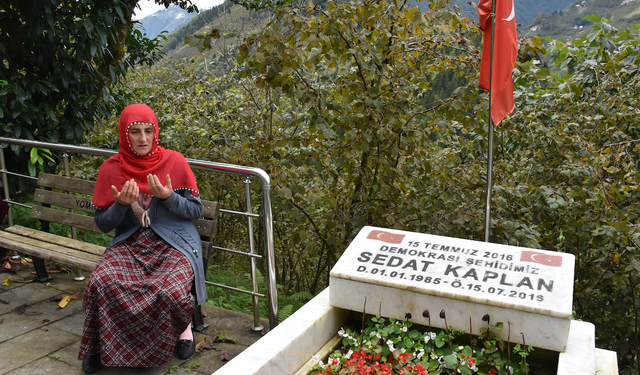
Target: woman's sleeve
x=187, y=206
x=107, y=220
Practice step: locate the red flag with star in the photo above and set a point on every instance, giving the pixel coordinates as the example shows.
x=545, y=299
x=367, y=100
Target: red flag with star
x=505, y=52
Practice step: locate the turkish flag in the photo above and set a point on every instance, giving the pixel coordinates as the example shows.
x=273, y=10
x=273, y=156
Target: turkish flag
x=540, y=258
x=505, y=52
x=385, y=236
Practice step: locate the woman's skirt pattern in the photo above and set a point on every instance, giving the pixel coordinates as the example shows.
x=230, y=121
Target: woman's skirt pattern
x=137, y=302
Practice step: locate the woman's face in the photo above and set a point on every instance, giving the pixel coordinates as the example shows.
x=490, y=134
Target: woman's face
x=141, y=138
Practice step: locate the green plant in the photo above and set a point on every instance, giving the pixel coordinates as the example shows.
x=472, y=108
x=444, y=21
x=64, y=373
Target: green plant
x=391, y=347
x=230, y=300
x=36, y=159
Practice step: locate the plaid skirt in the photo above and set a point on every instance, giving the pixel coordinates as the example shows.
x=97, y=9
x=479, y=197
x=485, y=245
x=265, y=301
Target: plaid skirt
x=137, y=302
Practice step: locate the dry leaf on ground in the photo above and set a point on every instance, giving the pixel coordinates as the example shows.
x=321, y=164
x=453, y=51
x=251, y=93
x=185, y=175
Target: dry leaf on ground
x=24, y=280
x=73, y=296
x=6, y=281
x=25, y=262
x=64, y=302
x=200, y=345
x=231, y=341
x=23, y=310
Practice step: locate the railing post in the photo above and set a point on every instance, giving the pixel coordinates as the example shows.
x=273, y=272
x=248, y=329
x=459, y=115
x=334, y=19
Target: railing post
x=254, y=282
x=272, y=297
x=5, y=185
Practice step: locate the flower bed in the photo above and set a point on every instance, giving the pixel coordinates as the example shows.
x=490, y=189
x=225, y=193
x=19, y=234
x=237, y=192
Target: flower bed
x=288, y=348
x=392, y=347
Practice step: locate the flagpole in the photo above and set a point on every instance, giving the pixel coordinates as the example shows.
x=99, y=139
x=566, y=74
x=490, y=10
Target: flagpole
x=487, y=215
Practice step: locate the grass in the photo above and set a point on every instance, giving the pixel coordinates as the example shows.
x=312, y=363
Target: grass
x=226, y=299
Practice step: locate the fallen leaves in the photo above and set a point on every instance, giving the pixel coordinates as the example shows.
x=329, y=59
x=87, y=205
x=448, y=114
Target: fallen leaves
x=10, y=265
x=64, y=302
x=204, y=344
x=201, y=344
x=23, y=310
x=25, y=280
x=7, y=281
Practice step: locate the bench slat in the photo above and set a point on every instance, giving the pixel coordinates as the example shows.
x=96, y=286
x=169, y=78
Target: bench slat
x=55, y=239
x=66, y=218
x=211, y=210
x=49, y=251
x=63, y=200
x=75, y=185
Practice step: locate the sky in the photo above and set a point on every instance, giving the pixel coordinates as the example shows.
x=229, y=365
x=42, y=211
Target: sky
x=148, y=7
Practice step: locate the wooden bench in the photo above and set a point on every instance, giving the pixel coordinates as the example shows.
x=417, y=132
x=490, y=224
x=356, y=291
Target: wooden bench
x=74, y=196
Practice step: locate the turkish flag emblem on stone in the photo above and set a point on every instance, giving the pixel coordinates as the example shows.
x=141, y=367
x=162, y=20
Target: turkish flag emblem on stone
x=546, y=259
x=385, y=236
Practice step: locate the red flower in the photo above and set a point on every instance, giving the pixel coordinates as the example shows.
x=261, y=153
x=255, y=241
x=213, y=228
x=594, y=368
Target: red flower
x=471, y=362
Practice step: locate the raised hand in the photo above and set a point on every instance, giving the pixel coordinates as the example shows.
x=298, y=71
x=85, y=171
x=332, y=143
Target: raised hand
x=156, y=187
x=128, y=195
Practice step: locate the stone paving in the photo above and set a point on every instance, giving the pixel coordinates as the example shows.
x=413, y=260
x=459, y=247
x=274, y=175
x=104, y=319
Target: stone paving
x=49, y=342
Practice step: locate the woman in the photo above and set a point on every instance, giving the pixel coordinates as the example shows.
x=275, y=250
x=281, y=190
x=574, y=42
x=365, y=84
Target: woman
x=139, y=300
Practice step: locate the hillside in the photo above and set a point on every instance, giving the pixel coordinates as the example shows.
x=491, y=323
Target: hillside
x=232, y=20
x=237, y=21
x=526, y=10
x=569, y=23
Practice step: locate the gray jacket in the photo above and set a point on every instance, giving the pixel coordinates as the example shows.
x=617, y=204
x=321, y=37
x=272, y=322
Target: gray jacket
x=171, y=220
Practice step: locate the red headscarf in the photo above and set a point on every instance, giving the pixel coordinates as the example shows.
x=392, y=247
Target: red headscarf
x=127, y=165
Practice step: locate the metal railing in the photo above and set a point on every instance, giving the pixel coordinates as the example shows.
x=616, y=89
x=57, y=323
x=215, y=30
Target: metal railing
x=247, y=172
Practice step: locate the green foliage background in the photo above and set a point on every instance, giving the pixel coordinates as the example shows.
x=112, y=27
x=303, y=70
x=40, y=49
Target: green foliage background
x=336, y=103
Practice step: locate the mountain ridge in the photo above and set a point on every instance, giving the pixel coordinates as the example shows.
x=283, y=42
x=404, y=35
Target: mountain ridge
x=169, y=20
x=554, y=18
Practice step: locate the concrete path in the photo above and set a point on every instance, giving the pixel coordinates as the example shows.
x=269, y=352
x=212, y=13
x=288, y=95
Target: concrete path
x=48, y=342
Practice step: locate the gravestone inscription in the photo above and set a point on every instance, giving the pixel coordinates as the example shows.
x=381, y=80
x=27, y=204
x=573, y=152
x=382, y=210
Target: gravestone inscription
x=399, y=272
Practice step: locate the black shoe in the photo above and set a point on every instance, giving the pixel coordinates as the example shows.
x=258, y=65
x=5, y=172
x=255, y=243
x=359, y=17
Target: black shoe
x=91, y=365
x=186, y=348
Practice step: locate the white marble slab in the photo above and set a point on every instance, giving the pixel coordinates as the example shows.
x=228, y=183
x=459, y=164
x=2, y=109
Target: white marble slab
x=287, y=347
x=410, y=272
x=579, y=356
x=606, y=362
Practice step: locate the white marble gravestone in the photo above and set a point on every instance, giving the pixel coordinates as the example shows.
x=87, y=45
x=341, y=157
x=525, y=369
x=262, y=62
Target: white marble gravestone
x=529, y=291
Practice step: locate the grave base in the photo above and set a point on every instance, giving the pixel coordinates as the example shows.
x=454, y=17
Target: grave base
x=292, y=343
x=543, y=331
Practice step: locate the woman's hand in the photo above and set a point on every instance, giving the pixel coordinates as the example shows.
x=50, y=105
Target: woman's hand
x=128, y=195
x=157, y=189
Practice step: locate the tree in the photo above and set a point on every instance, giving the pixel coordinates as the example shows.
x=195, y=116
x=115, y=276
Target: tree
x=58, y=60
